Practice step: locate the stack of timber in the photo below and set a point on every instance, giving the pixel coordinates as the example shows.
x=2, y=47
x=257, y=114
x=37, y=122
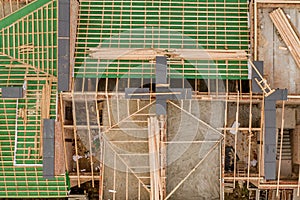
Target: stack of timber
x=154, y=149
x=173, y=54
x=288, y=33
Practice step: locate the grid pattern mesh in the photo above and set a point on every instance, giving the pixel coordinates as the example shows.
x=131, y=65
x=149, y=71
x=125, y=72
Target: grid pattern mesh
x=164, y=24
x=28, y=58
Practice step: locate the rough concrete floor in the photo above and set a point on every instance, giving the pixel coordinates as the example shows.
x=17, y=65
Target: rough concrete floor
x=182, y=158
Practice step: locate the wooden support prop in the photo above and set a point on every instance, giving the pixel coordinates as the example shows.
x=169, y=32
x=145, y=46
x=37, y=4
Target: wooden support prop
x=75, y=138
x=235, y=139
x=280, y=150
x=62, y=112
x=99, y=106
x=250, y=136
x=126, y=183
x=224, y=147
x=288, y=33
x=115, y=175
x=261, y=149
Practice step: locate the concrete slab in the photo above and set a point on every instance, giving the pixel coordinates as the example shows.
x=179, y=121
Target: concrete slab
x=289, y=118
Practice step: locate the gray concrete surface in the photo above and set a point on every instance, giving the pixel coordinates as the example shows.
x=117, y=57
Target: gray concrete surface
x=182, y=158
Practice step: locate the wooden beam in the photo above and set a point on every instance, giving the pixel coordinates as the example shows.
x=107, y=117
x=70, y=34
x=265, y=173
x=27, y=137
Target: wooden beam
x=280, y=150
x=261, y=149
x=163, y=156
x=62, y=113
x=172, y=54
x=250, y=135
x=235, y=139
x=224, y=147
x=75, y=138
x=45, y=110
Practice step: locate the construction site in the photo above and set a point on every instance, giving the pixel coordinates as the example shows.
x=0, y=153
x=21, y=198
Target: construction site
x=150, y=99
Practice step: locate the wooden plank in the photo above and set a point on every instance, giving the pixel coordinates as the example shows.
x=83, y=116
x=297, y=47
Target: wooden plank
x=45, y=110
x=287, y=33
x=60, y=159
x=173, y=54
x=280, y=153
x=163, y=156
x=154, y=149
x=250, y=136
x=235, y=139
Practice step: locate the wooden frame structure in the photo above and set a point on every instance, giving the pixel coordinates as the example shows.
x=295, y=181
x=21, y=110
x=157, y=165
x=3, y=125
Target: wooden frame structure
x=96, y=125
x=251, y=133
x=28, y=61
